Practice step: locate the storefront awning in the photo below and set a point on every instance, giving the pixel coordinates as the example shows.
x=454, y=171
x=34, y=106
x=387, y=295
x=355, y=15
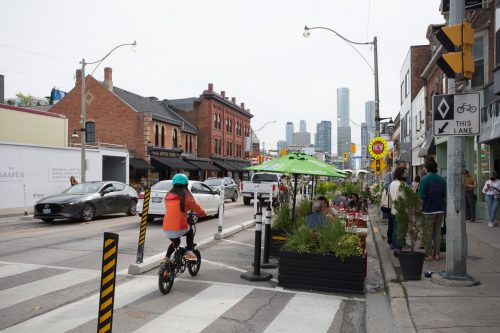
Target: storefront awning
x=139, y=164
x=172, y=163
x=203, y=165
x=428, y=148
x=235, y=165
x=225, y=166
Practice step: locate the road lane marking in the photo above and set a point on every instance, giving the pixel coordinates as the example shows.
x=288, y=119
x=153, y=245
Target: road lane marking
x=15, y=269
x=306, y=313
x=197, y=312
x=223, y=265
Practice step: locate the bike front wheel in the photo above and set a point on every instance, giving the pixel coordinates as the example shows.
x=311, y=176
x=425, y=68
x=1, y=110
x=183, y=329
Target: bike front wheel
x=194, y=266
x=165, y=277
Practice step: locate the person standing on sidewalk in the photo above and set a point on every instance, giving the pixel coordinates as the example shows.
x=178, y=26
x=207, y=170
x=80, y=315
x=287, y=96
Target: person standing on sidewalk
x=395, y=193
x=432, y=191
x=491, y=190
x=470, y=197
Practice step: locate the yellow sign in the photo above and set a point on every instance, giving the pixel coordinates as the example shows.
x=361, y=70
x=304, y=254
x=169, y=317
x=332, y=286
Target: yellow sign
x=377, y=166
x=378, y=147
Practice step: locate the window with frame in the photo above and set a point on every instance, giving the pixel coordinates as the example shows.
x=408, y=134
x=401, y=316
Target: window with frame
x=157, y=138
x=163, y=136
x=444, y=79
x=90, y=131
x=190, y=143
x=219, y=124
x=407, y=84
x=402, y=92
x=230, y=125
x=215, y=146
x=174, y=138
x=478, y=78
x=215, y=120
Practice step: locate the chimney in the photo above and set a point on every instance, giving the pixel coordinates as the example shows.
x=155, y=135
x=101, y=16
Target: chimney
x=210, y=87
x=223, y=94
x=108, y=78
x=78, y=76
x=243, y=106
x=233, y=99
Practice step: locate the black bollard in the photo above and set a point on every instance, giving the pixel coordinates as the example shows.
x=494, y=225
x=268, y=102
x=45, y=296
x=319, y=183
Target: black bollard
x=257, y=275
x=267, y=239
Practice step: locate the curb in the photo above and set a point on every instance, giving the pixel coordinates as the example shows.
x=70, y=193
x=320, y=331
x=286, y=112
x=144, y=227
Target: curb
x=397, y=298
x=155, y=261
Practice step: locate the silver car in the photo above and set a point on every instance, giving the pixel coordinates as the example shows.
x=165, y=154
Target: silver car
x=230, y=187
x=206, y=198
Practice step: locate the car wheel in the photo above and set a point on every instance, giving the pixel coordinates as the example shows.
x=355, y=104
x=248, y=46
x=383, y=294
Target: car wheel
x=246, y=201
x=151, y=218
x=47, y=220
x=132, y=208
x=88, y=213
x=235, y=196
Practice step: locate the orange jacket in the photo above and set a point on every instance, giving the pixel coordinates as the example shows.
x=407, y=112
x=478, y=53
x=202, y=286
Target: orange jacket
x=175, y=219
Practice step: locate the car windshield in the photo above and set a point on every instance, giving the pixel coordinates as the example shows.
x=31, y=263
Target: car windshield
x=84, y=188
x=265, y=177
x=162, y=186
x=213, y=182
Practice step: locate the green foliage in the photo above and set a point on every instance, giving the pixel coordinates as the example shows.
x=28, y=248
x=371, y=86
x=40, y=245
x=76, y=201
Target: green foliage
x=409, y=217
x=328, y=234
x=376, y=193
x=303, y=208
x=302, y=240
x=347, y=246
x=349, y=188
x=327, y=189
x=283, y=218
x=24, y=100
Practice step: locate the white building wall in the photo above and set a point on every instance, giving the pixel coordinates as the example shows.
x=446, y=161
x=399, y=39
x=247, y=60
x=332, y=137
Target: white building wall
x=405, y=108
x=418, y=127
x=29, y=172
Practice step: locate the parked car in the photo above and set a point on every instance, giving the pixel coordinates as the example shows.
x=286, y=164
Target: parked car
x=208, y=199
x=85, y=201
x=230, y=187
x=265, y=183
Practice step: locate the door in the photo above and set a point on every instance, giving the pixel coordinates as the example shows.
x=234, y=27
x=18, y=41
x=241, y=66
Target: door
x=199, y=196
x=107, y=199
x=212, y=200
x=122, y=197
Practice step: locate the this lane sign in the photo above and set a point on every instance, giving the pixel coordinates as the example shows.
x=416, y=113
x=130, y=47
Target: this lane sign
x=456, y=115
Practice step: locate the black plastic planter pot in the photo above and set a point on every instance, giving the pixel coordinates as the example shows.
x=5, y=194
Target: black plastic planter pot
x=278, y=239
x=313, y=271
x=411, y=264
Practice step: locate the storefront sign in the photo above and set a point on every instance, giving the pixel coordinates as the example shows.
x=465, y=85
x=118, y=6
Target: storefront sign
x=378, y=147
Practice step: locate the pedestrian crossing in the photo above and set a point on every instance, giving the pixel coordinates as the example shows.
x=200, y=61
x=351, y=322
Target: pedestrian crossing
x=193, y=305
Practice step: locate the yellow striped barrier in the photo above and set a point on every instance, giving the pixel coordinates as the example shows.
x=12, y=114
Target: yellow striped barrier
x=108, y=277
x=142, y=230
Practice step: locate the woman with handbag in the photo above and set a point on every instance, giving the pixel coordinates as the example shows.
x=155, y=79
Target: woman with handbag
x=386, y=208
x=491, y=190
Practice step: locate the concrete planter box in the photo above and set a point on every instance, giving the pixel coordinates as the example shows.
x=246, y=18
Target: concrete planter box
x=313, y=271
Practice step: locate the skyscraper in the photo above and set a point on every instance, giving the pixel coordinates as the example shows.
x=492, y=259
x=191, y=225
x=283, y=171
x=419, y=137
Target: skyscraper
x=343, y=107
x=370, y=119
x=323, y=137
x=302, y=126
x=365, y=140
x=289, y=133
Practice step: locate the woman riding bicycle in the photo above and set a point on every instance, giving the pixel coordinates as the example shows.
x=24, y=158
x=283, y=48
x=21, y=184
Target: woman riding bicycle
x=177, y=203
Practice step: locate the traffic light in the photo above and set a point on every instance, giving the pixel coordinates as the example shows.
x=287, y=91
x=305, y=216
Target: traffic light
x=260, y=158
x=458, y=40
x=353, y=148
x=283, y=152
x=346, y=155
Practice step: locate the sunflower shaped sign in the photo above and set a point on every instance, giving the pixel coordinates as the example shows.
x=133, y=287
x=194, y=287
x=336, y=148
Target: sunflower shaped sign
x=378, y=147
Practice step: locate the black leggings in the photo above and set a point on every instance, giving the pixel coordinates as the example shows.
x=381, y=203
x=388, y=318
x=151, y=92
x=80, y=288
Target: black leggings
x=177, y=241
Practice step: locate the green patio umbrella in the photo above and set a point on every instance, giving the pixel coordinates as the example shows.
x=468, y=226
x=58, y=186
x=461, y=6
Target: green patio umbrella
x=298, y=164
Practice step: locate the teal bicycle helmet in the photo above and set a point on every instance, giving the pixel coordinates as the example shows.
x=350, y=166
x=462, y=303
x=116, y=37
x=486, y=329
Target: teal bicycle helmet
x=180, y=179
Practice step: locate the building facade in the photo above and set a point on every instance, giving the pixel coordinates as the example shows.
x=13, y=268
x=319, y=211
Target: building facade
x=289, y=133
x=343, y=107
x=302, y=126
x=370, y=119
x=302, y=139
x=323, y=136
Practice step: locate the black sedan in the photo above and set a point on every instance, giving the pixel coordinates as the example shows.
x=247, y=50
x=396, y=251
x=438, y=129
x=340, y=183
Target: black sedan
x=87, y=200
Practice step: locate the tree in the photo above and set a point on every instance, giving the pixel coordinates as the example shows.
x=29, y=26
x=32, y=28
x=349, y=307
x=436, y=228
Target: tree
x=24, y=100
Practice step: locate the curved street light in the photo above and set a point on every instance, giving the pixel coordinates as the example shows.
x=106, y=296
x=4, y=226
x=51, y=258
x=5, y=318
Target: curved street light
x=374, y=69
x=83, y=167
x=269, y=122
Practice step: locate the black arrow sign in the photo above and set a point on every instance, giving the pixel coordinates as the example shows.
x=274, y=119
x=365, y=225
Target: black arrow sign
x=441, y=130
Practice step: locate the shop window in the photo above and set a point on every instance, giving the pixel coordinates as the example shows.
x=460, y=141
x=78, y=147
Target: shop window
x=484, y=166
x=90, y=131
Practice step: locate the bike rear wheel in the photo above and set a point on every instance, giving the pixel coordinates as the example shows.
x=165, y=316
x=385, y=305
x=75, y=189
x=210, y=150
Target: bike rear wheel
x=194, y=266
x=165, y=277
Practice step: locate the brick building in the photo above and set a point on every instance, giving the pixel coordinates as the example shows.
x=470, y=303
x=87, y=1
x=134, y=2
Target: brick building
x=222, y=126
x=155, y=135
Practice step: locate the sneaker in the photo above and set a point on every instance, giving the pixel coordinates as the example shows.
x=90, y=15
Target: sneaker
x=190, y=256
x=491, y=224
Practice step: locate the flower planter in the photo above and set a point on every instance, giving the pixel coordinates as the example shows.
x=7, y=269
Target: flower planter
x=313, y=271
x=278, y=239
x=411, y=264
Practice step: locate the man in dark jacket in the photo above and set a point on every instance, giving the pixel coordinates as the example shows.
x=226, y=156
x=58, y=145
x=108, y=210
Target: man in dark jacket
x=432, y=191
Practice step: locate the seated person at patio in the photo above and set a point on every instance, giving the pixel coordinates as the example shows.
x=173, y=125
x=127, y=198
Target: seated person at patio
x=354, y=202
x=340, y=199
x=327, y=210
x=314, y=219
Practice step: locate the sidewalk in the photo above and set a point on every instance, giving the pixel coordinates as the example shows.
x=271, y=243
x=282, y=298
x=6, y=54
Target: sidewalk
x=423, y=306
x=16, y=211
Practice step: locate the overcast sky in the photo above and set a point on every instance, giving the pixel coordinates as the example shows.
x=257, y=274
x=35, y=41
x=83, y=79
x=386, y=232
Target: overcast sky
x=254, y=50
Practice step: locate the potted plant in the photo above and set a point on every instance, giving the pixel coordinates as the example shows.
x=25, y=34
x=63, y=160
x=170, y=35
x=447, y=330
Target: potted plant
x=410, y=225
x=282, y=225
x=329, y=258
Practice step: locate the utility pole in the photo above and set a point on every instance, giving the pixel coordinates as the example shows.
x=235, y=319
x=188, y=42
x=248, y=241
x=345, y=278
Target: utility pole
x=456, y=236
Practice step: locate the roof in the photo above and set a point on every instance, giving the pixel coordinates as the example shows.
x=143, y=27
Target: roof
x=183, y=104
x=159, y=109
x=29, y=110
x=222, y=100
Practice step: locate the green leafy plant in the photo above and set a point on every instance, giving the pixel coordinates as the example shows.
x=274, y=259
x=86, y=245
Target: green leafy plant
x=347, y=246
x=303, y=208
x=283, y=218
x=302, y=240
x=376, y=193
x=328, y=234
x=409, y=217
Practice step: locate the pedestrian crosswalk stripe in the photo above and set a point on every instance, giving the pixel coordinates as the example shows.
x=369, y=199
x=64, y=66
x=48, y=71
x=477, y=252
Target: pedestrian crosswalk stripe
x=75, y=314
x=9, y=270
x=34, y=289
x=306, y=313
x=199, y=311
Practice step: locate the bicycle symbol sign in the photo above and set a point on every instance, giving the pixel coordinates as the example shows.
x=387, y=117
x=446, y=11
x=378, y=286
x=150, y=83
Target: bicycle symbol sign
x=456, y=115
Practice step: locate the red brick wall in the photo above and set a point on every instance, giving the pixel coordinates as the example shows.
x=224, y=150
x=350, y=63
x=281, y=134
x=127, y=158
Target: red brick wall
x=420, y=56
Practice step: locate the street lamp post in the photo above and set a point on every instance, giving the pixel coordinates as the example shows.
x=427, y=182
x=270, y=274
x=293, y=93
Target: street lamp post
x=374, y=68
x=255, y=131
x=83, y=138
